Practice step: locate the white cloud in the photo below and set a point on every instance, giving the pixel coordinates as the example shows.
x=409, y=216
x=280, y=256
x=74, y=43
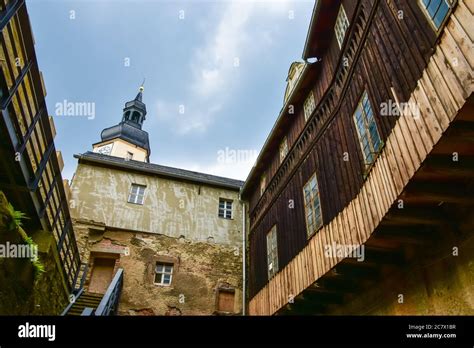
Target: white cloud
x=213, y=64
x=236, y=40
x=237, y=171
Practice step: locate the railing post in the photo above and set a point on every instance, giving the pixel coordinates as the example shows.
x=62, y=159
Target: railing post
x=109, y=303
x=87, y=312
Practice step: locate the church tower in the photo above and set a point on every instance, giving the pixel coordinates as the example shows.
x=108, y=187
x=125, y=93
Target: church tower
x=127, y=139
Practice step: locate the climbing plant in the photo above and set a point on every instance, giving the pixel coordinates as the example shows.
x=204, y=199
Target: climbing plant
x=15, y=224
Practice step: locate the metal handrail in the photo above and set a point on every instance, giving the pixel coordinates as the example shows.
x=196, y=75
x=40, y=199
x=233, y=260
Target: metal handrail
x=71, y=303
x=109, y=303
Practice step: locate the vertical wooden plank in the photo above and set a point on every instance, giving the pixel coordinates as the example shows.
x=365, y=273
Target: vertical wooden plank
x=372, y=200
x=314, y=258
x=460, y=66
x=330, y=239
x=357, y=222
x=366, y=213
x=462, y=22
x=439, y=103
x=395, y=166
x=374, y=191
x=452, y=96
x=409, y=143
x=319, y=252
x=380, y=188
x=427, y=114
x=469, y=5
x=404, y=158
x=414, y=132
x=389, y=184
x=360, y=218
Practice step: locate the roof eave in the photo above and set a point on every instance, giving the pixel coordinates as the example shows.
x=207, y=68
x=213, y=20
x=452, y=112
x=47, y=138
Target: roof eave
x=306, y=50
x=282, y=114
x=125, y=165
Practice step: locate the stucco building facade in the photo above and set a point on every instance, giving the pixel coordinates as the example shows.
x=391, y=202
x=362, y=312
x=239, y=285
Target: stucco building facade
x=176, y=234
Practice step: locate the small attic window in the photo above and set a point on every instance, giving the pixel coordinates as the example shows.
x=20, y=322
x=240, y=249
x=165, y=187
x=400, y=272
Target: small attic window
x=342, y=23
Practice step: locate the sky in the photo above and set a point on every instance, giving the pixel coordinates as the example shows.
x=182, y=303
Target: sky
x=215, y=73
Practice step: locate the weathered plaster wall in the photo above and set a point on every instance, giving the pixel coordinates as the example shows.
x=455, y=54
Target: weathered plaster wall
x=199, y=269
x=171, y=207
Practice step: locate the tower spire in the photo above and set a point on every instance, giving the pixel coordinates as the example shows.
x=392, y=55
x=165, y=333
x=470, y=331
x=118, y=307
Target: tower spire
x=129, y=131
x=140, y=91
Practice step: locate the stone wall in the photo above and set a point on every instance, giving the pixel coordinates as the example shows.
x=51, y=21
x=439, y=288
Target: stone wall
x=20, y=292
x=200, y=269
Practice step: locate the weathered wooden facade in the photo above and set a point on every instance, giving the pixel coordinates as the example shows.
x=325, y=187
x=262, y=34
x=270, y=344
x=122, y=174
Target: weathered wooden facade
x=419, y=176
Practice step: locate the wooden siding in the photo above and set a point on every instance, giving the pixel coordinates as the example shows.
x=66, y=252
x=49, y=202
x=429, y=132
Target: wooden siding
x=392, y=54
x=440, y=92
x=414, y=40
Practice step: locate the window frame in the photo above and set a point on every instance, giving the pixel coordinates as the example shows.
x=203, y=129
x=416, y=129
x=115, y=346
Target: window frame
x=310, y=231
x=225, y=209
x=272, y=252
x=375, y=153
x=424, y=9
x=309, y=101
x=283, y=149
x=163, y=273
x=341, y=20
x=136, y=194
x=263, y=184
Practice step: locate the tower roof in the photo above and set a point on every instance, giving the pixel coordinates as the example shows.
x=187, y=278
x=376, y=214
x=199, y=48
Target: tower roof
x=130, y=128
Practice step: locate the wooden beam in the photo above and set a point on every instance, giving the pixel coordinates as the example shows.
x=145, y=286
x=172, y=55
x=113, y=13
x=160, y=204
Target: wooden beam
x=400, y=238
x=409, y=216
x=461, y=131
x=451, y=193
x=444, y=166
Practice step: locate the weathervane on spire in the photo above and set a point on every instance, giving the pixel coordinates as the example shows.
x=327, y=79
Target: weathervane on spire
x=142, y=86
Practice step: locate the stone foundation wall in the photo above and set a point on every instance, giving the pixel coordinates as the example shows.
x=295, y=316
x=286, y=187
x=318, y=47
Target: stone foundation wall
x=200, y=269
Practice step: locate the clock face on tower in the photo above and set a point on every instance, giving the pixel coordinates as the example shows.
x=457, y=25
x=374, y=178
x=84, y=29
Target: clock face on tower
x=105, y=150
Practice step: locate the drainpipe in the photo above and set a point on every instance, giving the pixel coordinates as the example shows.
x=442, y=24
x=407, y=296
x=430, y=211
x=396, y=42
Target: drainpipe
x=244, y=249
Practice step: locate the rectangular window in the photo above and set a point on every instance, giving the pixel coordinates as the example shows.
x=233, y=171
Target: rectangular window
x=263, y=184
x=129, y=156
x=309, y=105
x=369, y=137
x=225, y=208
x=163, y=273
x=342, y=23
x=272, y=252
x=283, y=149
x=225, y=300
x=436, y=10
x=312, y=205
x=137, y=194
